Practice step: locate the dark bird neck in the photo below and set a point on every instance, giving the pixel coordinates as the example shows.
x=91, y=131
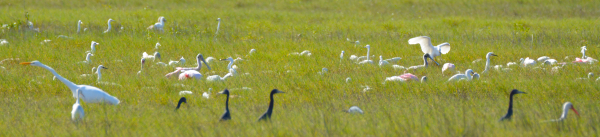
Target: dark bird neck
x=271, y=103
x=227, y=103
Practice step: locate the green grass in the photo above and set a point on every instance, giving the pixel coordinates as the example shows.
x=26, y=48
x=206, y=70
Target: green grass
x=33, y=104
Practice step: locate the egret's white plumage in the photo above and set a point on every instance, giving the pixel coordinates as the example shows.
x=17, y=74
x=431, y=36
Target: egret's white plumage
x=79, y=23
x=543, y=58
x=153, y=57
x=207, y=94
x=382, y=62
x=527, y=62
x=230, y=67
x=394, y=59
x=367, y=61
x=355, y=110
x=181, y=93
x=156, y=46
x=3, y=42
x=467, y=76
x=77, y=114
x=427, y=47
x=88, y=59
x=109, y=26
x=93, y=47
x=487, y=63
x=158, y=25
x=215, y=78
x=90, y=94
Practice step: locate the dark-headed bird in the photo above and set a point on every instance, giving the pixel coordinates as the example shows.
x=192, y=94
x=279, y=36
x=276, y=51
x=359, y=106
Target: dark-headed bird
x=267, y=115
x=226, y=115
x=510, y=104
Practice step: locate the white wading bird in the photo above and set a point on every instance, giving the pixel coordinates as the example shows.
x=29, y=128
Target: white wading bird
x=527, y=62
x=109, y=26
x=215, y=78
x=566, y=108
x=158, y=25
x=153, y=57
x=79, y=23
x=180, y=62
x=468, y=76
x=90, y=94
x=448, y=67
x=382, y=62
x=93, y=47
x=367, y=61
x=179, y=70
x=428, y=48
x=229, y=66
x=88, y=59
x=77, y=114
x=354, y=110
x=487, y=63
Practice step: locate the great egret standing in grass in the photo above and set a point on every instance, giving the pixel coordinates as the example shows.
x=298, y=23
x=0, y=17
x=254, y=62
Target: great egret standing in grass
x=143, y=61
x=267, y=114
x=79, y=23
x=367, y=61
x=77, y=114
x=93, y=47
x=226, y=115
x=566, y=108
x=487, y=63
x=88, y=59
x=510, y=104
x=158, y=25
x=90, y=94
x=100, y=72
x=428, y=48
x=382, y=62
x=229, y=66
x=109, y=26
x=468, y=76
x=583, y=49
x=218, y=25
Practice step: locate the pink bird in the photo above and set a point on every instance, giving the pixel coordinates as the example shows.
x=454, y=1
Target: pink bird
x=402, y=78
x=179, y=70
x=448, y=67
x=586, y=60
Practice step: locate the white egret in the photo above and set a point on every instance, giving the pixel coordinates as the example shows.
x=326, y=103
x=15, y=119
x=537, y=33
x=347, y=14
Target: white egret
x=527, y=62
x=229, y=66
x=566, y=108
x=210, y=59
x=510, y=64
x=348, y=80
x=303, y=53
x=153, y=57
x=100, y=72
x=88, y=59
x=109, y=26
x=342, y=56
x=468, y=76
x=448, y=67
x=158, y=25
x=143, y=61
x=77, y=114
x=90, y=94
x=382, y=62
x=367, y=61
x=487, y=63
x=93, y=47
x=207, y=94
x=543, y=58
x=218, y=25
x=215, y=78
x=181, y=93
x=79, y=23
x=583, y=49
x=428, y=48
x=354, y=110
x=156, y=46
x=353, y=57
x=3, y=42
x=199, y=58
x=180, y=62
x=394, y=59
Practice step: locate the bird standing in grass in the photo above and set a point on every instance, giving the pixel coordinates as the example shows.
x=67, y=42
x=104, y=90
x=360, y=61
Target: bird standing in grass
x=510, y=104
x=566, y=108
x=267, y=115
x=226, y=115
x=109, y=26
x=77, y=114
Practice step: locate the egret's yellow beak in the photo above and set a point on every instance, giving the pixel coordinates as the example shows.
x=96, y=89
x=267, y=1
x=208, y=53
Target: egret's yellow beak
x=25, y=63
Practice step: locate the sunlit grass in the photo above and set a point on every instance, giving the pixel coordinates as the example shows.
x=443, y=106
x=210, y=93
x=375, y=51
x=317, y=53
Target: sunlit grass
x=34, y=104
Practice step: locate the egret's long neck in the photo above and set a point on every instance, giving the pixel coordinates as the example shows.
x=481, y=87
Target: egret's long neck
x=99, y=74
x=109, y=26
x=78, y=26
x=226, y=76
x=218, y=25
x=77, y=97
x=469, y=76
x=87, y=58
x=230, y=64
x=69, y=84
x=368, y=49
x=487, y=64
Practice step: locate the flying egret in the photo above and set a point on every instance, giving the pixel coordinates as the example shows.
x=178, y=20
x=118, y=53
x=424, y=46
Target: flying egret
x=90, y=94
x=428, y=48
x=77, y=114
x=566, y=108
x=158, y=25
x=382, y=62
x=354, y=110
x=215, y=78
x=181, y=100
x=267, y=114
x=510, y=104
x=448, y=67
x=218, y=25
x=226, y=115
x=367, y=61
x=487, y=63
x=468, y=76
x=199, y=58
x=79, y=23
x=109, y=26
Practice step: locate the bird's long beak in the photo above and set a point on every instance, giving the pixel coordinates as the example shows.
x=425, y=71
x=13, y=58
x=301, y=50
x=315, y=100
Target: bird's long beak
x=521, y=92
x=104, y=67
x=573, y=108
x=25, y=63
x=494, y=55
x=278, y=91
x=202, y=58
x=433, y=60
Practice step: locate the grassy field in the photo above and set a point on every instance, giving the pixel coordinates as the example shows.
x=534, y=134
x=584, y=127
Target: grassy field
x=33, y=104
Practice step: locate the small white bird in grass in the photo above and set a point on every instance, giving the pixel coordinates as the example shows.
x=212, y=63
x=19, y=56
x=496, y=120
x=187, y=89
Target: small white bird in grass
x=303, y=53
x=354, y=110
x=210, y=59
x=583, y=49
x=342, y=56
x=93, y=47
x=368, y=61
x=382, y=62
x=348, y=80
x=77, y=114
x=158, y=25
x=543, y=58
x=180, y=62
x=90, y=94
x=487, y=63
x=88, y=59
x=156, y=46
x=353, y=57
x=181, y=93
x=394, y=59
x=398, y=67
x=153, y=57
x=511, y=64
x=401, y=78
x=109, y=26
x=143, y=61
x=3, y=42
x=99, y=72
x=215, y=78
x=207, y=94
x=527, y=62
x=45, y=41
x=428, y=48
x=566, y=108
x=218, y=26
x=448, y=67
x=468, y=76
x=230, y=65
x=79, y=23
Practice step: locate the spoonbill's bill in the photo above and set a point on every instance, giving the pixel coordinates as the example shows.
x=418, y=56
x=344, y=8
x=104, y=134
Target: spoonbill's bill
x=566, y=108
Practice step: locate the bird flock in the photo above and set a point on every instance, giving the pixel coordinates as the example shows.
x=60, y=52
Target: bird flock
x=91, y=94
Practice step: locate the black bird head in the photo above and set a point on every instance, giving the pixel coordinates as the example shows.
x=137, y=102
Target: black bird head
x=274, y=91
x=226, y=92
x=515, y=91
x=182, y=100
